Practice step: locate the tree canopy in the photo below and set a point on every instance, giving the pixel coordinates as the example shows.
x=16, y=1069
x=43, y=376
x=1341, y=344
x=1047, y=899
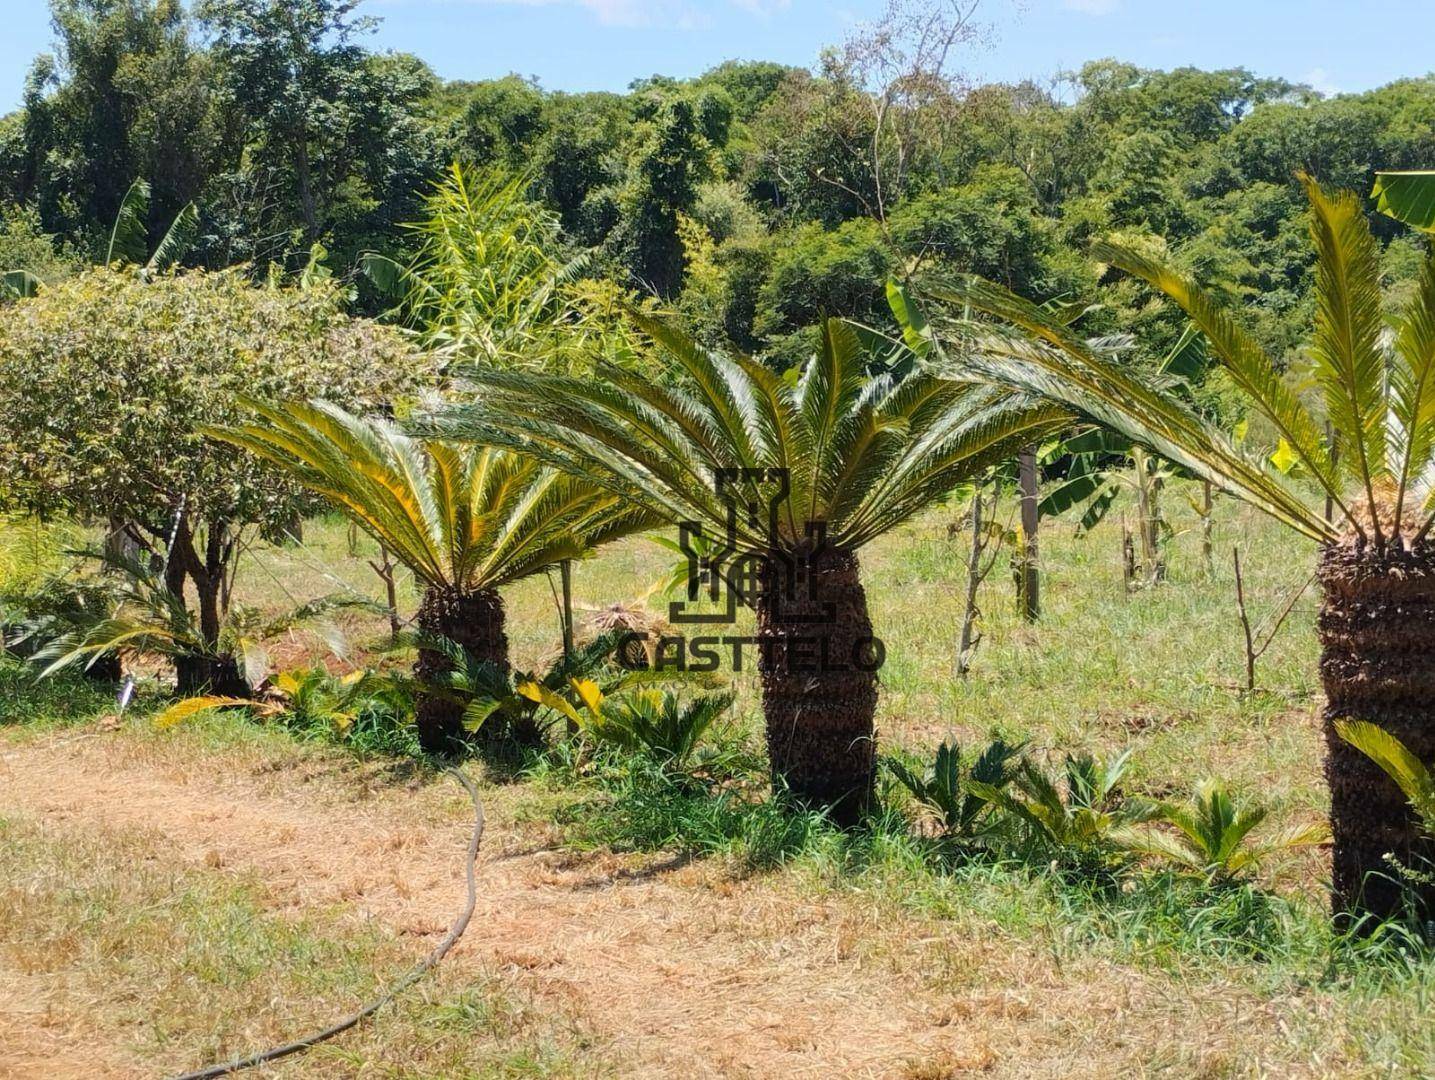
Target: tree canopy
x=755, y=198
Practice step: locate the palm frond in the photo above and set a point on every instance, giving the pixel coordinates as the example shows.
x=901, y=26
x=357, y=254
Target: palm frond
x=860, y=452
x=1411, y=775
x=1346, y=349
x=459, y=516
x=1045, y=359
x=1412, y=390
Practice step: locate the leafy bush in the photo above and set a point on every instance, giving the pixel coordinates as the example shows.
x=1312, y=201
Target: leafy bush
x=526, y=704
x=821, y=273
x=367, y=711
x=105, y=380
x=26, y=248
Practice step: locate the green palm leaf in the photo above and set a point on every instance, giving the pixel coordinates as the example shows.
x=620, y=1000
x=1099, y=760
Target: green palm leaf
x=1349, y=361
x=862, y=453
x=1410, y=774
x=1045, y=359
x=457, y=516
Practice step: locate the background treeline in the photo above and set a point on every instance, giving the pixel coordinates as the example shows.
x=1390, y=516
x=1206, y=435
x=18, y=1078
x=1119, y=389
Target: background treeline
x=754, y=198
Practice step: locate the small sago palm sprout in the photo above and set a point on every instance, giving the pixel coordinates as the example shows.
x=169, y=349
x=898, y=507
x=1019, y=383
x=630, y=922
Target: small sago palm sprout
x=465, y=521
x=1377, y=562
x=821, y=464
x=1213, y=835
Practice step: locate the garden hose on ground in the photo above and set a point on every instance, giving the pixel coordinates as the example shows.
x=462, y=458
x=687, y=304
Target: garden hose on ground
x=427, y=964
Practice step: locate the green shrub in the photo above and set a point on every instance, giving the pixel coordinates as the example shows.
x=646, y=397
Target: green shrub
x=105, y=380
x=1077, y=819
x=657, y=723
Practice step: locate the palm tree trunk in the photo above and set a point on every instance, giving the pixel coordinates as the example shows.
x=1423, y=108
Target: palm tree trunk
x=473, y=620
x=1377, y=634
x=220, y=675
x=216, y=672
x=818, y=660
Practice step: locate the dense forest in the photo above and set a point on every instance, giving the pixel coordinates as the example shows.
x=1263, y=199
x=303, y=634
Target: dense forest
x=753, y=199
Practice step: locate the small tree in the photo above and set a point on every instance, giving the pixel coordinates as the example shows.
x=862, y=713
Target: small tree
x=104, y=380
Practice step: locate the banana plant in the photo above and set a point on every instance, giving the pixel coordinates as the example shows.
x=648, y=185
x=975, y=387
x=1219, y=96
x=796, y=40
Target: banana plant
x=1104, y=464
x=948, y=789
x=1407, y=197
x=129, y=237
x=1213, y=835
x=128, y=245
x=18, y=284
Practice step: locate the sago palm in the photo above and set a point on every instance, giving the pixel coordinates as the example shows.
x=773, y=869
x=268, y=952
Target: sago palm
x=1212, y=835
x=1377, y=564
x=464, y=521
x=800, y=472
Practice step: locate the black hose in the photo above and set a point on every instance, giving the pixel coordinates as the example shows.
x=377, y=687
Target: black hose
x=417, y=972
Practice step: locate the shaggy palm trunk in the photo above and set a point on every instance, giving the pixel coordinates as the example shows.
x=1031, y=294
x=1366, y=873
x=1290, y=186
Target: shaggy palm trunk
x=474, y=621
x=195, y=675
x=106, y=668
x=818, y=659
x=1377, y=634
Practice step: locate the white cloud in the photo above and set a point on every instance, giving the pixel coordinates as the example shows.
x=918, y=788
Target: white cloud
x=1320, y=81
x=676, y=14
x=1092, y=7
x=763, y=8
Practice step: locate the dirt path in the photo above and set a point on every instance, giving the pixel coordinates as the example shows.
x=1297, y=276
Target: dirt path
x=683, y=975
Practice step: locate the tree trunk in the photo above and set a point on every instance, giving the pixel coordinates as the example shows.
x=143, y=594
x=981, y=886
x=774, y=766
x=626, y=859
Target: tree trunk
x=818, y=661
x=967, y=644
x=1029, y=583
x=106, y=668
x=306, y=188
x=473, y=620
x=1208, y=521
x=565, y=572
x=385, y=568
x=1377, y=634
x=219, y=675
x=1148, y=514
x=120, y=543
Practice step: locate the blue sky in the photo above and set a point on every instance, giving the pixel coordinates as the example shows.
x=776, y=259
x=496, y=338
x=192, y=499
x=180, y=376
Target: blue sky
x=1336, y=45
